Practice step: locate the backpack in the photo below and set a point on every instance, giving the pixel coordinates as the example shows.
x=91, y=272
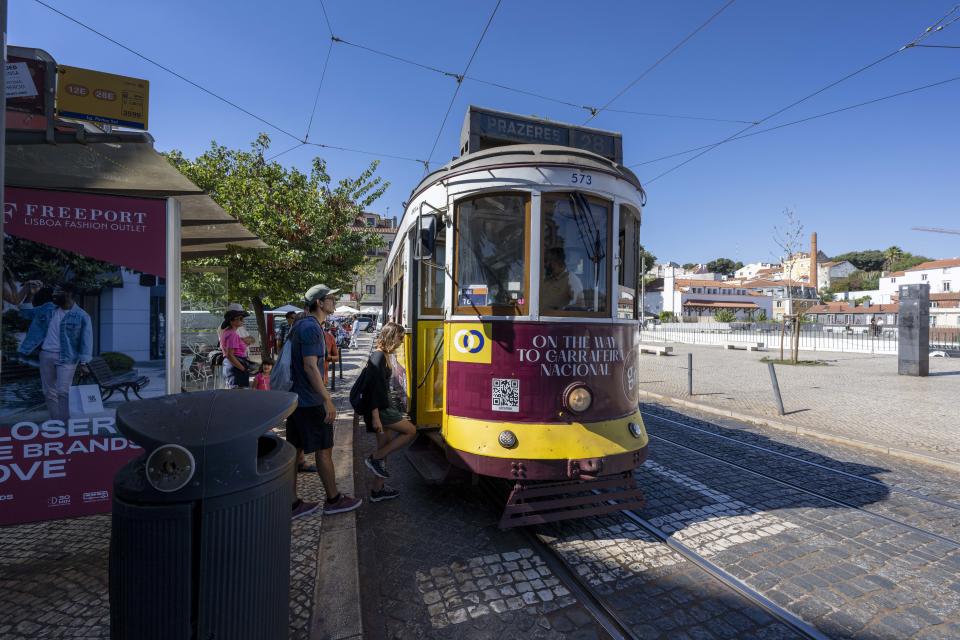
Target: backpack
x=358, y=397
x=280, y=377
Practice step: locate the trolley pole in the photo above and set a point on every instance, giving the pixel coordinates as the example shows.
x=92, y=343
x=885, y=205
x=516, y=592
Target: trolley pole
x=689, y=374
x=776, y=388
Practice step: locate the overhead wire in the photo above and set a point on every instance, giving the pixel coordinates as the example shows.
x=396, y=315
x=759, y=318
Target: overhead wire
x=301, y=141
x=456, y=92
x=316, y=99
x=662, y=58
x=169, y=70
x=526, y=92
x=937, y=26
x=802, y=120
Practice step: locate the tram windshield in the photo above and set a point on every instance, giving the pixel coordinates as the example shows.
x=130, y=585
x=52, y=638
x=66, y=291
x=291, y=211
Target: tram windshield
x=575, y=241
x=491, y=273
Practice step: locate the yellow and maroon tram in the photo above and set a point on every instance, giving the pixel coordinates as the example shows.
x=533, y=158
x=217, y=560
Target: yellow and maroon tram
x=515, y=271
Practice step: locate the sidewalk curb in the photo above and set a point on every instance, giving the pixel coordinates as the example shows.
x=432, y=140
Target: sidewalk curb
x=338, y=574
x=904, y=454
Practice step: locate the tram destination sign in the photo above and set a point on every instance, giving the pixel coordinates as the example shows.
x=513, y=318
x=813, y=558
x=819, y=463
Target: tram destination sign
x=486, y=129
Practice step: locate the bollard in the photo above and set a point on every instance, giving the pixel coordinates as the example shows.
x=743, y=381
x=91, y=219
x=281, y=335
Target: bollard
x=776, y=388
x=333, y=376
x=340, y=359
x=690, y=374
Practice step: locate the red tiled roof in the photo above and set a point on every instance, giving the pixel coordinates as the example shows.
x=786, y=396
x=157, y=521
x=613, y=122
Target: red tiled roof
x=936, y=264
x=720, y=304
x=846, y=307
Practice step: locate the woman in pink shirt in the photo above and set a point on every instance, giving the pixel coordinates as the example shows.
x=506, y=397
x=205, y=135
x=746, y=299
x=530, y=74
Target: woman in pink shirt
x=236, y=368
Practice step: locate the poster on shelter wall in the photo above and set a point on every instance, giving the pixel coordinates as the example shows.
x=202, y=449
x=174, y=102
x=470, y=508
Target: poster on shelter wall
x=83, y=330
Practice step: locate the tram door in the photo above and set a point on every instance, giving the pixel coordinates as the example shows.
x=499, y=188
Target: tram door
x=429, y=333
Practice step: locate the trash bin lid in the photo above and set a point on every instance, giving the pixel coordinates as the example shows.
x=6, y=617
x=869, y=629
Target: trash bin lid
x=217, y=432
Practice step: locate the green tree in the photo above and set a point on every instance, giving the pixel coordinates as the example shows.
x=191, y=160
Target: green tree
x=891, y=256
x=647, y=258
x=303, y=218
x=726, y=266
x=869, y=260
x=667, y=316
x=761, y=315
x=826, y=296
x=724, y=315
x=688, y=265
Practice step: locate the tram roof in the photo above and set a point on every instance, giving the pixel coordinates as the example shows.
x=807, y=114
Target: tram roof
x=518, y=155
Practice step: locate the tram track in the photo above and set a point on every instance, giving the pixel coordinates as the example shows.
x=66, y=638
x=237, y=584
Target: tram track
x=605, y=615
x=733, y=583
x=817, y=494
x=900, y=490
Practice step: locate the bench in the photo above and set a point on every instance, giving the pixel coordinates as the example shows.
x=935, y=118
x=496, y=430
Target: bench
x=745, y=346
x=660, y=350
x=109, y=381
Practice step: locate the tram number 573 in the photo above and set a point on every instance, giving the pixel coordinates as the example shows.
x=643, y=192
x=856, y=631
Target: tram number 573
x=581, y=178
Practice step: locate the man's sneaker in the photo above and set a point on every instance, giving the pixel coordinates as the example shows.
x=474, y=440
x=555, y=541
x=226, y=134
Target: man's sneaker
x=304, y=508
x=387, y=493
x=376, y=466
x=342, y=504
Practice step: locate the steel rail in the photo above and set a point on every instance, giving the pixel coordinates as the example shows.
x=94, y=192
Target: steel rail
x=728, y=580
x=817, y=494
x=605, y=616
x=908, y=492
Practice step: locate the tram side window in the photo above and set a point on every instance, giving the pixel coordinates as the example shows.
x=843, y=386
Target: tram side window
x=575, y=241
x=433, y=278
x=492, y=255
x=630, y=268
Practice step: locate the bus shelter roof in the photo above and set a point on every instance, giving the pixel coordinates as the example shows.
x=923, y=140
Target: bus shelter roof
x=124, y=164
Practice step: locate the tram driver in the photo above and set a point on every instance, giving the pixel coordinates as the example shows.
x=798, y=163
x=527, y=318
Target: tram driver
x=561, y=289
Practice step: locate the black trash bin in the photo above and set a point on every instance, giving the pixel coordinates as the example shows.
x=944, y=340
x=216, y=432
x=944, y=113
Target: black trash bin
x=200, y=546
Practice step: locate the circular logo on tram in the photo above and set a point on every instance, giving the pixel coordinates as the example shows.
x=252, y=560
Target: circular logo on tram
x=629, y=381
x=468, y=341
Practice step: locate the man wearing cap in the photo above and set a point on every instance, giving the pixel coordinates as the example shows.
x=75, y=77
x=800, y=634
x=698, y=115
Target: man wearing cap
x=310, y=428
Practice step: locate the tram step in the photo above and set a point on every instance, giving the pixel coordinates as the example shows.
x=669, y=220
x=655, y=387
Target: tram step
x=426, y=456
x=541, y=502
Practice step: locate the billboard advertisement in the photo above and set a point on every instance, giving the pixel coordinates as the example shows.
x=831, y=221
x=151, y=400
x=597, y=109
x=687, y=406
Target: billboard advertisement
x=84, y=329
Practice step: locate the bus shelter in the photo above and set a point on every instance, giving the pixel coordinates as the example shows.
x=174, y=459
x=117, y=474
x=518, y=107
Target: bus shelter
x=107, y=220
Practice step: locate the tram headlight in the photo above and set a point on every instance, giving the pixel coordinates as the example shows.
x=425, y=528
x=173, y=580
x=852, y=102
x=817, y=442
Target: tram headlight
x=507, y=439
x=578, y=398
x=635, y=430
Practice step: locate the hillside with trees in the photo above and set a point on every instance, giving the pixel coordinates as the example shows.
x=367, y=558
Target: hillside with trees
x=870, y=264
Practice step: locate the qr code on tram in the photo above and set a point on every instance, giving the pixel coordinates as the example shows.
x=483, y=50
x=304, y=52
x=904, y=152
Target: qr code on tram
x=506, y=394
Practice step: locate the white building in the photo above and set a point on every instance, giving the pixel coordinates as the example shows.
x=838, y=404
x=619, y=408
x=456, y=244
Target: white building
x=943, y=276
x=753, y=270
x=827, y=272
x=700, y=300
x=663, y=269
x=788, y=296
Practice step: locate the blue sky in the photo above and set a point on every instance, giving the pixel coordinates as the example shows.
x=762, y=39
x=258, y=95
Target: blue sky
x=861, y=179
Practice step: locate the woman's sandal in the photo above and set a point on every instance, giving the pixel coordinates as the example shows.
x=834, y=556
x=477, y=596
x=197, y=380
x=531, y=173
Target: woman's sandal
x=306, y=468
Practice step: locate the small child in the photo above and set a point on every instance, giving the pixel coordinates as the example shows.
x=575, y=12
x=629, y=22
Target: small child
x=261, y=381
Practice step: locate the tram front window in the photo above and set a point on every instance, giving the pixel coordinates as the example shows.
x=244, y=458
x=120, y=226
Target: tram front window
x=575, y=279
x=492, y=255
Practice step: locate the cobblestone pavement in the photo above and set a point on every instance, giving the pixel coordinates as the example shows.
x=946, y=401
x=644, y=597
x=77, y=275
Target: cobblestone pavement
x=53, y=575
x=912, y=496
x=856, y=396
x=658, y=593
x=433, y=564
x=846, y=571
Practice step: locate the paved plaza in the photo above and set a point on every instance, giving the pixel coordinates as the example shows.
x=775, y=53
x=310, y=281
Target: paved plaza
x=854, y=397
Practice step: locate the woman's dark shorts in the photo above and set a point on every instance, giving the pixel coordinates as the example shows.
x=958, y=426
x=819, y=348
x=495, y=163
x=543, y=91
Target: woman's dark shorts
x=307, y=430
x=234, y=378
x=387, y=417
